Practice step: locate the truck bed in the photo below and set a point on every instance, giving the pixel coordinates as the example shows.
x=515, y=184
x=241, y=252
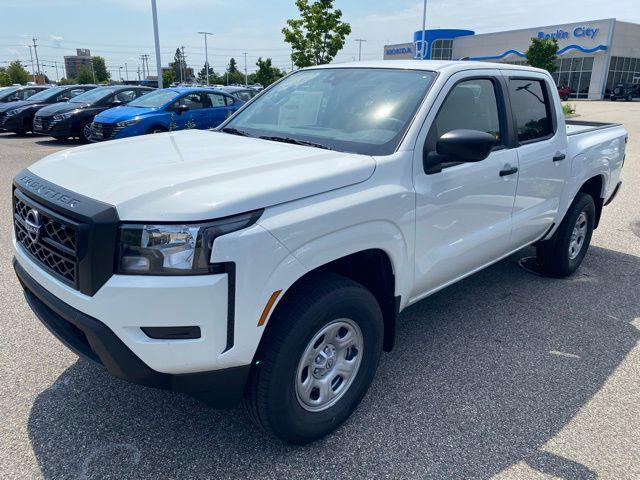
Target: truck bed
x=576, y=127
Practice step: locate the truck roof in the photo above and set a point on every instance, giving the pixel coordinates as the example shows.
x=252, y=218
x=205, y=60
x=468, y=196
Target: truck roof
x=431, y=65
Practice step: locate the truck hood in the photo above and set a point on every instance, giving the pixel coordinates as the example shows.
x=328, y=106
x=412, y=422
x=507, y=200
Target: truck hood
x=117, y=114
x=198, y=175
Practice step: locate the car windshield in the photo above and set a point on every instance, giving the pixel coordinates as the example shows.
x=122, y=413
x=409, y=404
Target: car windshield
x=94, y=95
x=6, y=91
x=359, y=110
x=154, y=99
x=48, y=93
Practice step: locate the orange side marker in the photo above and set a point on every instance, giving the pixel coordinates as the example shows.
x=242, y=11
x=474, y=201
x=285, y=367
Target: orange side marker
x=267, y=307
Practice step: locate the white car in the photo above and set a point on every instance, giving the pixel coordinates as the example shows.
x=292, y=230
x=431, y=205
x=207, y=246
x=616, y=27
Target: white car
x=268, y=260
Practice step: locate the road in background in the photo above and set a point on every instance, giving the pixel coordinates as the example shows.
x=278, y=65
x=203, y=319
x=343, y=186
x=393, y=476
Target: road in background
x=504, y=374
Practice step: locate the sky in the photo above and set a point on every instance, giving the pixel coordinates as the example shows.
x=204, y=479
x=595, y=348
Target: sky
x=122, y=30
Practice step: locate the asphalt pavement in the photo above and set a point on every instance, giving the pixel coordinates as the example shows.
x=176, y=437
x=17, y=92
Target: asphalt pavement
x=505, y=375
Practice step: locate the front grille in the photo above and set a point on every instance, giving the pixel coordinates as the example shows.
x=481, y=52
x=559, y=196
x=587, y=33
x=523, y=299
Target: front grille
x=55, y=245
x=3, y=118
x=103, y=131
x=43, y=124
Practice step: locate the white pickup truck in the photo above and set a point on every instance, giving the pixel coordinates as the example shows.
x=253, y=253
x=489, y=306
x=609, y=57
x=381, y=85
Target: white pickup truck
x=267, y=261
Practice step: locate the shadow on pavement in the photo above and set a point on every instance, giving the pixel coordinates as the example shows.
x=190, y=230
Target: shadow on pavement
x=49, y=141
x=484, y=373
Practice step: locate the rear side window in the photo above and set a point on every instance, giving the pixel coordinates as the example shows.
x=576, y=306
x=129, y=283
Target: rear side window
x=471, y=104
x=531, y=108
x=216, y=100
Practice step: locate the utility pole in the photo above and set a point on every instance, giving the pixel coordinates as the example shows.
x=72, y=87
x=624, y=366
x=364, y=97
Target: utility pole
x=424, y=25
x=126, y=72
x=35, y=49
x=120, y=73
x=183, y=65
x=206, y=55
x=55, y=62
x=156, y=38
x=33, y=69
x=139, y=79
x=245, y=69
x=360, y=40
x=93, y=70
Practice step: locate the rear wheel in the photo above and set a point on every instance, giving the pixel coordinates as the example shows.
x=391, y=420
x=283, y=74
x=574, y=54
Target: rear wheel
x=563, y=253
x=318, y=360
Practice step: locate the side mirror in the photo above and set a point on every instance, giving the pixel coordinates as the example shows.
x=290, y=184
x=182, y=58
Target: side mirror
x=460, y=145
x=116, y=103
x=181, y=109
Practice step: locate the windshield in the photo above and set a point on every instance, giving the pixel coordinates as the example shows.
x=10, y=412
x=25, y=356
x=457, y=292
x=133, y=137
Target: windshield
x=154, y=99
x=93, y=95
x=359, y=110
x=48, y=93
x=6, y=91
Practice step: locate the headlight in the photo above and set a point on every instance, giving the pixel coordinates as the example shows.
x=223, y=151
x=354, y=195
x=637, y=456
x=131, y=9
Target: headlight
x=128, y=123
x=178, y=249
x=15, y=111
x=62, y=116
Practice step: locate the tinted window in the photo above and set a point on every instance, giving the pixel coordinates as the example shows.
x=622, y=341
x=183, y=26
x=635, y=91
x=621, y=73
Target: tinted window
x=531, y=108
x=361, y=110
x=48, y=93
x=94, y=95
x=155, y=99
x=244, y=95
x=193, y=101
x=472, y=105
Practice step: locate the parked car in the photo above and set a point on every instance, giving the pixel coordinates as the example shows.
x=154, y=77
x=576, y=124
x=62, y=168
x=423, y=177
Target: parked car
x=269, y=259
x=627, y=91
x=163, y=110
x=564, y=93
x=18, y=116
x=74, y=118
x=243, y=93
x=17, y=93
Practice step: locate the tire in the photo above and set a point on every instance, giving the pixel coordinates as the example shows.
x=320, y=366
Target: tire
x=309, y=322
x=629, y=98
x=153, y=130
x=613, y=99
x=85, y=132
x=561, y=255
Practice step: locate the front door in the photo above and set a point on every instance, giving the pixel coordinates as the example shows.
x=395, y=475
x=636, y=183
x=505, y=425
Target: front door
x=463, y=213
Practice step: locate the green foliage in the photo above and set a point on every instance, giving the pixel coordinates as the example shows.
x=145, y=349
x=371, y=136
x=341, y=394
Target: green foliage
x=168, y=77
x=543, y=53
x=85, y=75
x=191, y=124
x=67, y=81
x=318, y=35
x=178, y=65
x=266, y=74
x=17, y=73
x=5, y=81
x=568, y=109
x=172, y=122
x=232, y=67
x=100, y=69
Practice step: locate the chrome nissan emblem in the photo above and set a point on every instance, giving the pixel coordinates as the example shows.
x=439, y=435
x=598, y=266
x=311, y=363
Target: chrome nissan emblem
x=33, y=224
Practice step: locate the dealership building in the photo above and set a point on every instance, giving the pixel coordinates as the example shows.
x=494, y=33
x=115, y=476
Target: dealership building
x=593, y=56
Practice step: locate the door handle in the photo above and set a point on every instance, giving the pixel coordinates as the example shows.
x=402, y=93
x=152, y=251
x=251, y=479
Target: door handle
x=559, y=156
x=508, y=171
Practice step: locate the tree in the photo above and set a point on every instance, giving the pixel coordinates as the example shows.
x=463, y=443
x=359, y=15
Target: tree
x=17, y=73
x=266, y=74
x=233, y=75
x=543, y=53
x=5, y=81
x=168, y=78
x=178, y=66
x=318, y=35
x=100, y=69
x=85, y=75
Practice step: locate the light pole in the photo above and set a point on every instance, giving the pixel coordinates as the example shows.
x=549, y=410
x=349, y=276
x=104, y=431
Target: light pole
x=424, y=25
x=245, y=69
x=156, y=38
x=206, y=54
x=120, y=73
x=360, y=40
x=33, y=69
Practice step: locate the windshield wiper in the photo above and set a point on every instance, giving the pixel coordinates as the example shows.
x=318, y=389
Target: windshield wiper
x=294, y=141
x=235, y=131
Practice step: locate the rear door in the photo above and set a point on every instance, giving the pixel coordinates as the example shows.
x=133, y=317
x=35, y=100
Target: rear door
x=220, y=109
x=463, y=213
x=542, y=149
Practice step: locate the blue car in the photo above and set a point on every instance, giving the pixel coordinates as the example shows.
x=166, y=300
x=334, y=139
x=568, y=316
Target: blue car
x=165, y=110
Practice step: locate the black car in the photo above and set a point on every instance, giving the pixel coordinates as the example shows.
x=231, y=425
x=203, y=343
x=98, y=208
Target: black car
x=628, y=91
x=18, y=116
x=19, y=92
x=243, y=93
x=73, y=118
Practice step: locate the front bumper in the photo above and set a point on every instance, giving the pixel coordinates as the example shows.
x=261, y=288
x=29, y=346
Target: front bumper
x=15, y=123
x=93, y=340
x=53, y=128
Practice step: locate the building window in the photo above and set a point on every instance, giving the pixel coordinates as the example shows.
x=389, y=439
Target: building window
x=622, y=70
x=441, y=49
x=575, y=74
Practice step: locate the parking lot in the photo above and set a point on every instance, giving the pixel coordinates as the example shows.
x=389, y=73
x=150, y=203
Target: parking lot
x=505, y=375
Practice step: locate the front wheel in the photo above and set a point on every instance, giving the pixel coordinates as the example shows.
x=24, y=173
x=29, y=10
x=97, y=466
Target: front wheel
x=561, y=255
x=318, y=360
x=629, y=98
x=85, y=132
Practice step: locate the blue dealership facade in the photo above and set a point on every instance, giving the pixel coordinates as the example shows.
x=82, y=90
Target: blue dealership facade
x=593, y=56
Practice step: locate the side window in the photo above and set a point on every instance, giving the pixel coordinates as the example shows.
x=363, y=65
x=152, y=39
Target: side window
x=471, y=104
x=192, y=100
x=531, y=108
x=69, y=94
x=126, y=96
x=229, y=100
x=27, y=93
x=217, y=100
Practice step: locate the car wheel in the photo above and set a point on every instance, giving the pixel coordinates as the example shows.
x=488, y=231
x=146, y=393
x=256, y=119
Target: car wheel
x=612, y=98
x=561, y=255
x=318, y=360
x=85, y=132
x=153, y=130
x=629, y=98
